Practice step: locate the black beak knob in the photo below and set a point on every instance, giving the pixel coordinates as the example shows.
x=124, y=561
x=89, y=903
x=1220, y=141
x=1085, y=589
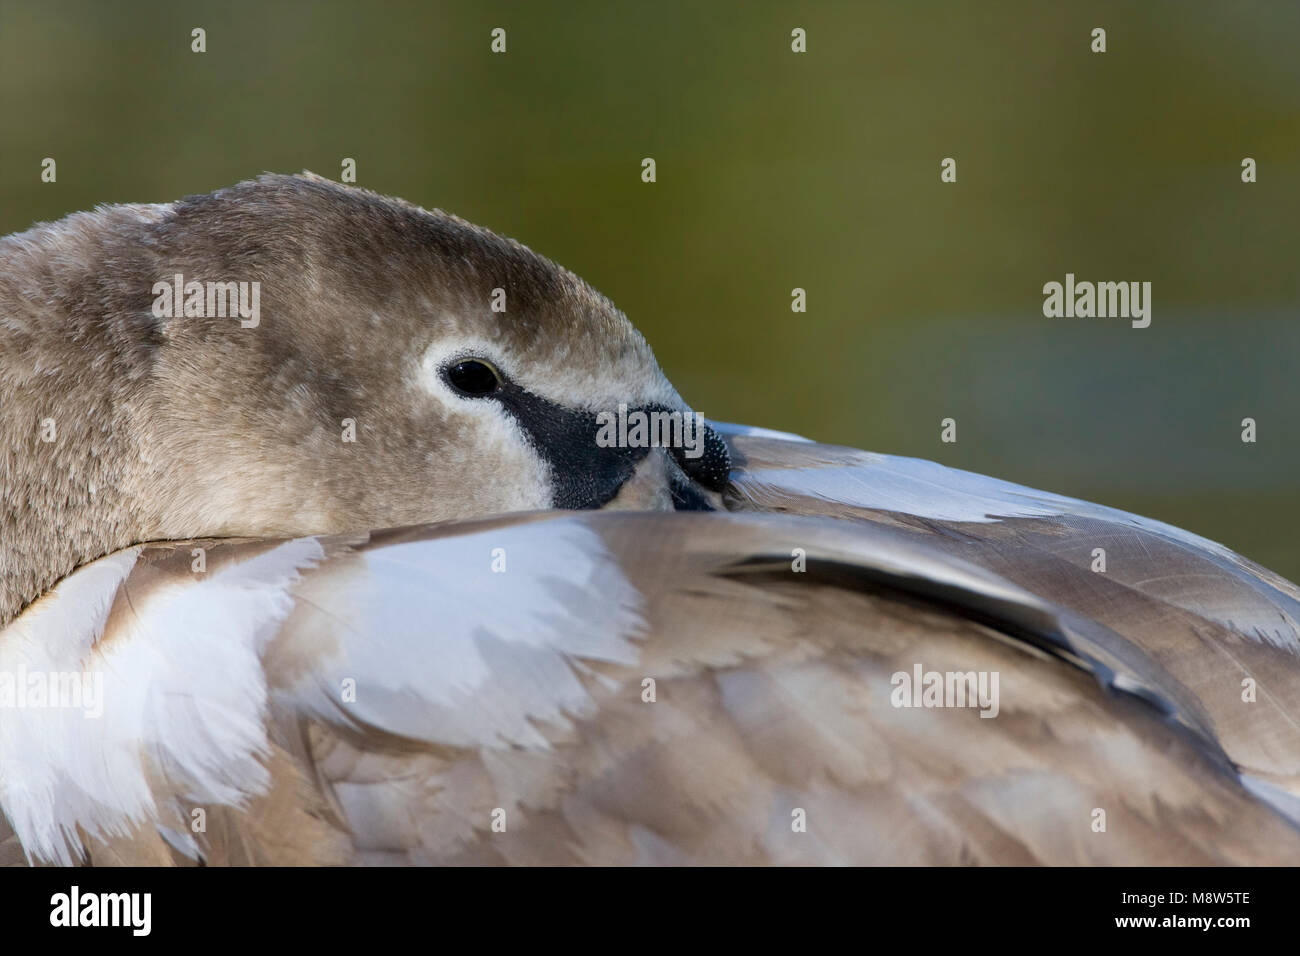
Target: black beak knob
x=711, y=466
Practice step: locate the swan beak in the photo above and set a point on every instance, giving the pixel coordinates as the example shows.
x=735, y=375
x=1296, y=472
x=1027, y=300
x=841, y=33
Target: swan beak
x=680, y=478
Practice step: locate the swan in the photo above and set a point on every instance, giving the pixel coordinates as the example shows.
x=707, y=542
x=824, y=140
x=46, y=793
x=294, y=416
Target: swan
x=356, y=584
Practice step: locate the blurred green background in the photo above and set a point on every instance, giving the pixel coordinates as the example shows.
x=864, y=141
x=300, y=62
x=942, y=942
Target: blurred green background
x=778, y=170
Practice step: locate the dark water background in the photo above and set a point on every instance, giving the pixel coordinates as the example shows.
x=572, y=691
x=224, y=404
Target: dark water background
x=778, y=170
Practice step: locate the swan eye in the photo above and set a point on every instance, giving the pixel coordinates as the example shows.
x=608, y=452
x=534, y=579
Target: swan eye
x=472, y=378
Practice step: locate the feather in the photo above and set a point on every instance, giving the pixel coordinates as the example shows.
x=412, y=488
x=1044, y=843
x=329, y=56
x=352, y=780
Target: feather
x=648, y=688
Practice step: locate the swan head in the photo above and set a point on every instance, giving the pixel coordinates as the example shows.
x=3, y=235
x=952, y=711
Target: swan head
x=293, y=356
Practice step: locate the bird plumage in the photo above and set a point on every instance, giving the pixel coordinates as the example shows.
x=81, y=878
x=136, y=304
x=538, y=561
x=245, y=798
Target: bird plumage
x=612, y=686
x=521, y=691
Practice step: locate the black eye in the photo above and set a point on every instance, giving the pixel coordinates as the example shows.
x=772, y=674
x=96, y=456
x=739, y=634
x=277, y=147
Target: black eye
x=472, y=378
